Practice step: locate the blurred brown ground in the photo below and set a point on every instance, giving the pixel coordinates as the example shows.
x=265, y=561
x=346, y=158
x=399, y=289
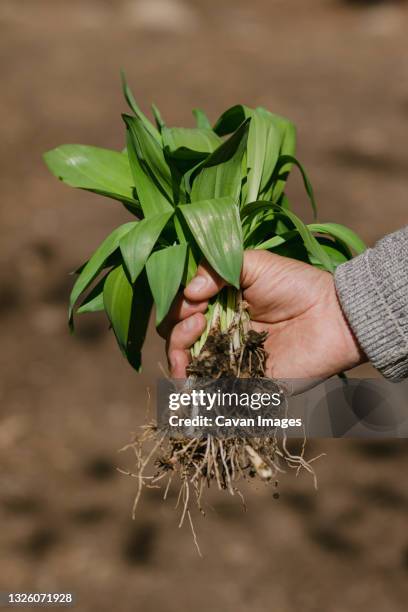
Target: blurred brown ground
x=68, y=403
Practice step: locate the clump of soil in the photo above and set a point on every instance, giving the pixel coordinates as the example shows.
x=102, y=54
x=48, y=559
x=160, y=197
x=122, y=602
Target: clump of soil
x=216, y=358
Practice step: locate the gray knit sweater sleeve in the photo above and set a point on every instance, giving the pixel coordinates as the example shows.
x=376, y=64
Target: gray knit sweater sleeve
x=373, y=292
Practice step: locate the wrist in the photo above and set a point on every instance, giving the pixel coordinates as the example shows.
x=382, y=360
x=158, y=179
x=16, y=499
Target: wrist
x=349, y=353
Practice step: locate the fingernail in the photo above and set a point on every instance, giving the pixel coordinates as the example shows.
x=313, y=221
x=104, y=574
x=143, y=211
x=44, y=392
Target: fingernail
x=187, y=303
x=198, y=283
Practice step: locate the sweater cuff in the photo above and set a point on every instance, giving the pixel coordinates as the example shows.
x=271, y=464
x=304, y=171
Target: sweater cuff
x=375, y=307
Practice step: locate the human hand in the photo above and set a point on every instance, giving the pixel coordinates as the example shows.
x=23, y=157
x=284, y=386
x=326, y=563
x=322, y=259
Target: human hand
x=308, y=335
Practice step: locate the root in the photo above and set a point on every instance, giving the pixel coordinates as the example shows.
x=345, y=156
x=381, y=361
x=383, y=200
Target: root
x=200, y=462
x=194, y=533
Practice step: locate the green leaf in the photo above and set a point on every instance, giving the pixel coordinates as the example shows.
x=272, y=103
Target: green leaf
x=287, y=131
x=133, y=105
x=165, y=270
x=185, y=237
x=294, y=249
x=137, y=245
x=158, y=118
x=152, y=199
x=221, y=173
x=342, y=233
x=283, y=161
x=288, y=147
x=334, y=250
x=191, y=267
x=150, y=156
x=110, y=262
x=185, y=143
x=184, y=149
x=216, y=227
x=312, y=245
x=96, y=263
x=231, y=119
x=264, y=143
x=201, y=119
x=141, y=310
x=128, y=309
x=117, y=299
x=93, y=169
x=94, y=300
x=94, y=305
x=276, y=241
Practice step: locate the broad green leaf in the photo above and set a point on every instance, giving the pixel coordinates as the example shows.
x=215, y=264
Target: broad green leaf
x=231, y=119
x=94, y=300
x=128, y=309
x=216, y=227
x=185, y=142
x=287, y=130
x=165, y=270
x=137, y=245
x=150, y=155
x=221, y=173
x=93, y=169
x=117, y=299
x=342, y=233
x=141, y=310
x=184, y=149
x=201, y=119
x=97, y=262
x=264, y=143
x=288, y=147
x=151, y=197
x=312, y=245
x=133, y=105
x=334, y=249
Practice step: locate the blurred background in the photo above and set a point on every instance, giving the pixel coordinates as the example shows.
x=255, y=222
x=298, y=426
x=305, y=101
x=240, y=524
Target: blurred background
x=339, y=70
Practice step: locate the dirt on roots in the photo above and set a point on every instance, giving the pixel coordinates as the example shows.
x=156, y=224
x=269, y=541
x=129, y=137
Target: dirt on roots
x=196, y=463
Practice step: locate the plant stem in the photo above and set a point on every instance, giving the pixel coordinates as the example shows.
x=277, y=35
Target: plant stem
x=221, y=313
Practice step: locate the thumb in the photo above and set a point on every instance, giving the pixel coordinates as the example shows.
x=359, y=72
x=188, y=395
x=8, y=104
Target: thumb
x=208, y=283
x=204, y=285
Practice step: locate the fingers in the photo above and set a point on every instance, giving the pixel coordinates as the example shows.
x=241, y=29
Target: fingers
x=186, y=322
x=208, y=283
x=181, y=309
x=181, y=338
x=204, y=285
